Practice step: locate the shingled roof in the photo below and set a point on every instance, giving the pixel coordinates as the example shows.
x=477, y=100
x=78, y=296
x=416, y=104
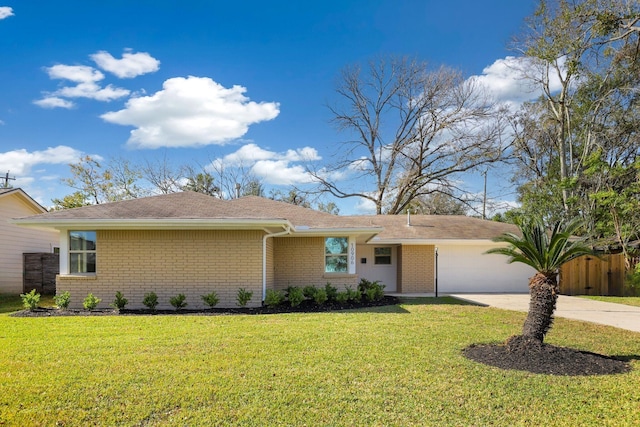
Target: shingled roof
x=436, y=227
x=189, y=209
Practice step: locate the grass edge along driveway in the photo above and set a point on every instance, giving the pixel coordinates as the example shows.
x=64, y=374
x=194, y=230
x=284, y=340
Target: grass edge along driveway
x=398, y=365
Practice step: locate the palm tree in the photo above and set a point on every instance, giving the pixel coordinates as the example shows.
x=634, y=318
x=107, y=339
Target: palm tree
x=545, y=252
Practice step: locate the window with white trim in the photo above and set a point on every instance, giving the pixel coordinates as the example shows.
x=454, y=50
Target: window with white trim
x=82, y=252
x=382, y=256
x=336, y=254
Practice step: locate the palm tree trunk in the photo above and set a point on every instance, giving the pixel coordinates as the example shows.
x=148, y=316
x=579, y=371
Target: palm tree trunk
x=544, y=294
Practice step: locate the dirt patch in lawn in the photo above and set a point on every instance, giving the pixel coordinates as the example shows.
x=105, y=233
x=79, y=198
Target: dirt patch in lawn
x=524, y=354
x=307, y=306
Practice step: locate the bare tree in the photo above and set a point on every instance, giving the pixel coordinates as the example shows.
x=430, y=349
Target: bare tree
x=235, y=179
x=412, y=130
x=163, y=176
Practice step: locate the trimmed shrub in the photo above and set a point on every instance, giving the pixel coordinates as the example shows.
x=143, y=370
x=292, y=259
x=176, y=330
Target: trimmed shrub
x=30, y=300
x=120, y=302
x=211, y=299
x=309, y=291
x=243, y=297
x=342, y=297
x=373, y=291
x=90, y=302
x=332, y=292
x=320, y=297
x=150, y=300
x=178, y=302
x=354, y=295
x=273, y=298
x=62, y=300
x=295, y=295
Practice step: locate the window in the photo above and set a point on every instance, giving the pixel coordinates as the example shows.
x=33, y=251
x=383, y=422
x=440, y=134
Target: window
x=382, y=256
x=336, y=254
x=82, y=251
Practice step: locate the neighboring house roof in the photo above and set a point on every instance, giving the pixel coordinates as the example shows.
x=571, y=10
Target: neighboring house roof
x=196, y=210
x=21, y=194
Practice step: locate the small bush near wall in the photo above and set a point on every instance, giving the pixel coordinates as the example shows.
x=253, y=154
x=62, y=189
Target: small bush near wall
x=372, y=291
x=332, y=292
x=150, y=300
x=62, y=300
x=273, y=298
x=243, y=297
x=320, y=296
x=211, y=299
x=178, y=302
x=342, y=297
x=90, y=302
x=120, y=302
x=30, y=300
x=309, y=291
x=295, y=295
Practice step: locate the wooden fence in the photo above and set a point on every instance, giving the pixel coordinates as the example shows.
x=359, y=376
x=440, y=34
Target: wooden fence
x=591, y=275
x=40, y=270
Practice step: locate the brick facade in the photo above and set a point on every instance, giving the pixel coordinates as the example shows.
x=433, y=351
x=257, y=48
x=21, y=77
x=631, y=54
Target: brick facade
x=196, y=262
x=299, y=261
x=192, y=262
x=416, y=268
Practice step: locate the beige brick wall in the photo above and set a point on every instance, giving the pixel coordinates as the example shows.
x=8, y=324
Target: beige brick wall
x=192, y=262
x=299, y=261
x=416, y=268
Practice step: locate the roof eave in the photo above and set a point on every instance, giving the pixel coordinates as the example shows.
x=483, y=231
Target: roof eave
x=154, y=224
x=400, y=241
x=326, y=231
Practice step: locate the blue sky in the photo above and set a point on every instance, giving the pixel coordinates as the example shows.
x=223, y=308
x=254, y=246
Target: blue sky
x=195, y=81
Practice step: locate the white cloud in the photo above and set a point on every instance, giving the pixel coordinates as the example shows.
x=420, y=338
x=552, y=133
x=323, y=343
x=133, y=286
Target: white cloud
x=269, y=166
x=5, y=12
x=75, y=73
x=192, y=111
x=86, y=78
x=54, y=102
x=279, y=172
x=365, y=206
x=247, y=154
x=93, y=91
x=21, y=161
x=506, y=80
x=131, y=65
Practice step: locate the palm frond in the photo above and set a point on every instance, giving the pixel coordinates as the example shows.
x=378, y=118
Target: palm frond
x=543, y=250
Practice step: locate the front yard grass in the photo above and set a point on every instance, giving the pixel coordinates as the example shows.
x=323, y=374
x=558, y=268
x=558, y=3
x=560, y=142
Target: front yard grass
x=11, y=302
x=388, y=366
x=635, y=301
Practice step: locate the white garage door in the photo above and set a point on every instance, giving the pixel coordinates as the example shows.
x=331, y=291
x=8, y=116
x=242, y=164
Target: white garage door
x=467, y=269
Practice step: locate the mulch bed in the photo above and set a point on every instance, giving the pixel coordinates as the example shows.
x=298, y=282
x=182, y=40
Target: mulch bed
x=306, y=306
x=524, y=354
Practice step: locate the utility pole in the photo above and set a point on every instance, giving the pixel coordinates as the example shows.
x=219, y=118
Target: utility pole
x=484, y=199
x=6, y=180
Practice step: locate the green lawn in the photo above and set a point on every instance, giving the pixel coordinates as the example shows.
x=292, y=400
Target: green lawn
x=618, y=300
x=389, y=366
x=9, y=303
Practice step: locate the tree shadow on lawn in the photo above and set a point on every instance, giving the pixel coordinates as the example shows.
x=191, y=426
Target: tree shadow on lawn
x=434, y=301
x=520, y=353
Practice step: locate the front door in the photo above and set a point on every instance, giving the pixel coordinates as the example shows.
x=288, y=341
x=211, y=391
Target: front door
x=378, y=263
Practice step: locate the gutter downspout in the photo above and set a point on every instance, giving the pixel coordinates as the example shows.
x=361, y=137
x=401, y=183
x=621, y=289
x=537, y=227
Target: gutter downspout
x=264, y=257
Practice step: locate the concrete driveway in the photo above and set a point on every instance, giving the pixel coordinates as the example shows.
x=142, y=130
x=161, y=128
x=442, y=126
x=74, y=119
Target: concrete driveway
x=605, y=313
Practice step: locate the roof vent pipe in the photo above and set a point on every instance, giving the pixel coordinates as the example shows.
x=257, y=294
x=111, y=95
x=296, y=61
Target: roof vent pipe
x=408, y=217
x=237, y=190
